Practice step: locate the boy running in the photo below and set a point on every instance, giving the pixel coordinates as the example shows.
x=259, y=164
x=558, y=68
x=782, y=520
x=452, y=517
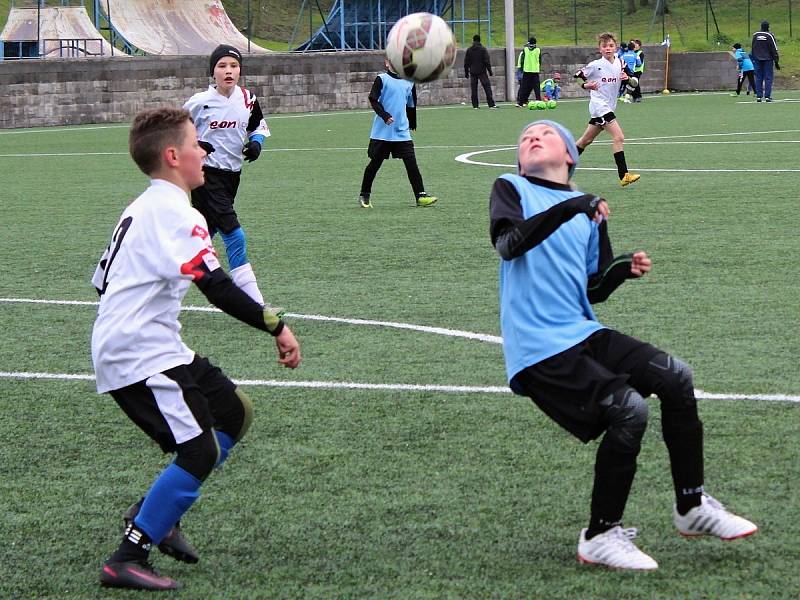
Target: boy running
x=602, y=77
x=556, y=259
x=178, y=398
x=230, y=124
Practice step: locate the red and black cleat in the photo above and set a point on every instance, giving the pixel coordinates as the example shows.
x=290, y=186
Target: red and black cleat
x=137, y=575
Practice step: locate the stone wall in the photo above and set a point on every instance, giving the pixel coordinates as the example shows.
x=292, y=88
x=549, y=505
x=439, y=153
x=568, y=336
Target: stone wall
x=111, y=90
x=700, y=71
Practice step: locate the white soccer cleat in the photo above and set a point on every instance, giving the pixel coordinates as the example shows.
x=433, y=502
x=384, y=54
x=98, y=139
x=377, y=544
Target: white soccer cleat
x=614, y=549
x=711, y=518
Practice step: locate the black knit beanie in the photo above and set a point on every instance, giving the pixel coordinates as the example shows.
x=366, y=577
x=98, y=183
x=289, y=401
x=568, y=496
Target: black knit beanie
x=222, y=51
x=764, y=25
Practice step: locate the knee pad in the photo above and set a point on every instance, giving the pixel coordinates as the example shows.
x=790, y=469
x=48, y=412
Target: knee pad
x=235, y=247
x=247, y=416
x=626, y=412
x=199, y=455
x=676, y=381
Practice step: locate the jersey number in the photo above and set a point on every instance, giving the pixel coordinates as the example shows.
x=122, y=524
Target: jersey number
x=116, y=240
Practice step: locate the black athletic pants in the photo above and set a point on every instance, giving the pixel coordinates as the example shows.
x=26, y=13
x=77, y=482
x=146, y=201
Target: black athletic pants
x=487, y=88
x=530, y=83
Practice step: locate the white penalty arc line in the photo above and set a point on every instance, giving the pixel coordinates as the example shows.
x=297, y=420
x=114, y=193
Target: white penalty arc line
x=467, y=159
x=391, y=387
x=361, y=386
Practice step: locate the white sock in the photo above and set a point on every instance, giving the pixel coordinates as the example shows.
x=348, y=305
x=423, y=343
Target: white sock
x=246, y=280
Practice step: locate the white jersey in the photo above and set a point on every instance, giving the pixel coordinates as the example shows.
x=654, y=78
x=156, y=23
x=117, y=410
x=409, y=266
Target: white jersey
x=143, y=275
x=607, y=74
x=227, y=124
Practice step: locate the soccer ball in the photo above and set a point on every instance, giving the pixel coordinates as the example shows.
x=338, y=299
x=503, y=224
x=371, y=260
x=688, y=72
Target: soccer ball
x=552, y=104
x=532, y=105
x=541, y=105
x=633, y=82
x=421, y=47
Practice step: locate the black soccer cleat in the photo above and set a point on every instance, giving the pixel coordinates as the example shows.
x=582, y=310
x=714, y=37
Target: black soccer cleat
x=136, y=575
x=174, y=543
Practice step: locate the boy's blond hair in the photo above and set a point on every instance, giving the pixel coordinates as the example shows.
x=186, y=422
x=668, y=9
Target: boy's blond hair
x=153, y=130
x=606, y=36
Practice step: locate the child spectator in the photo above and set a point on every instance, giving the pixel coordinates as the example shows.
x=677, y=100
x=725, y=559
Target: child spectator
x=744, y=69
x=551, y=87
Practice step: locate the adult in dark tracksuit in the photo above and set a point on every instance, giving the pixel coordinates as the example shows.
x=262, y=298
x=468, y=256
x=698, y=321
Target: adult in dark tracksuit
x=764, y=51
x=529, y=65
x=477, y=67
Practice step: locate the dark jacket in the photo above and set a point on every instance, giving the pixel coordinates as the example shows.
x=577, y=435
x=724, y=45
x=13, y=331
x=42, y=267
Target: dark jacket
x=476, y=60
x=764, y=46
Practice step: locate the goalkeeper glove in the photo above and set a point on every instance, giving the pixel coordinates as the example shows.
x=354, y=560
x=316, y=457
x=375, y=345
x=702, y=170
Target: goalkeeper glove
x=206, y=146
x=777, y=66
x=251, y=150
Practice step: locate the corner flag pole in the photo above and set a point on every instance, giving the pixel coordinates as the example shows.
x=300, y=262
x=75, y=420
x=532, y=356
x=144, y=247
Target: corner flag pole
x=666, y=43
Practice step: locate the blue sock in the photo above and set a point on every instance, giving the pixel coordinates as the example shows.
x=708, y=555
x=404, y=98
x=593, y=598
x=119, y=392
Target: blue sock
x=171, y=495
x=225, y=442
x=235, y=248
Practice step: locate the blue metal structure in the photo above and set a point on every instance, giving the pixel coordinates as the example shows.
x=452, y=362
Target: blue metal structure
x=102, y=22
x=364, y=24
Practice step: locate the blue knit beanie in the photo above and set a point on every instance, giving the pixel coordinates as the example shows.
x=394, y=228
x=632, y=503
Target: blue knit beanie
x=572, y=148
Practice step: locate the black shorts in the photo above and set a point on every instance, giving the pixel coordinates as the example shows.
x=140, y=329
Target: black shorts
x=214, y=199
x=569, y=386
x=383, y=149
x=607, y=118
x=179, y=404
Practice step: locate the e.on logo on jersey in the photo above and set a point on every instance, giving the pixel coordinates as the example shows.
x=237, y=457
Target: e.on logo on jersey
x=223, y=125
x=609, y=80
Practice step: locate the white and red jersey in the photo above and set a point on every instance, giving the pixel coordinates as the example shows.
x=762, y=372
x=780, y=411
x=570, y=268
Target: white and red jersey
x=607, y=74
x=142, y=277
x=227, y=124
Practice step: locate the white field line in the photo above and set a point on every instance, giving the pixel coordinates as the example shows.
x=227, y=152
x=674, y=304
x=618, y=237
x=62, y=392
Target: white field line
x=467, y=158
x=79, y=128
x=492, y=148
x=470, y=335
x=450, y=389
x=389, y=387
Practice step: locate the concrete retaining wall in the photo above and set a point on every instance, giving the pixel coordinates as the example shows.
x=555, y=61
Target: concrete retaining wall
x=75, y=91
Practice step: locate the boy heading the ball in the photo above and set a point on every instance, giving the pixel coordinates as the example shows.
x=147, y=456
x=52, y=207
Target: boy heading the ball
x=178, y=398
x=602, y=78
x=556, y=260
x=394, y=101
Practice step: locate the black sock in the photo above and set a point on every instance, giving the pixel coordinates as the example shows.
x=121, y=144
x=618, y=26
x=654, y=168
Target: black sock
x=580, y=150
x=622, y=166
x=598, y=526
x=135, y=545
x=687, y=498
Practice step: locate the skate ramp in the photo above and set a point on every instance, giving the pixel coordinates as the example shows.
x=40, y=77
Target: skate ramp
x=176, y=27
x=62, y=32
